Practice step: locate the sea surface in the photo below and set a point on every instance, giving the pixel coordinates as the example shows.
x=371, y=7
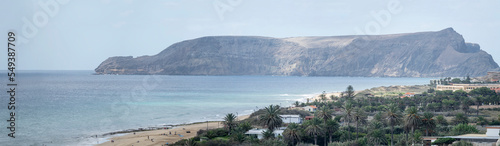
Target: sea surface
x=73, y=107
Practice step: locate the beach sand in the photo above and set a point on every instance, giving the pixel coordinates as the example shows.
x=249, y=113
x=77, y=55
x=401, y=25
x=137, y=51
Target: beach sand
x=141, y=138
x=327, y=95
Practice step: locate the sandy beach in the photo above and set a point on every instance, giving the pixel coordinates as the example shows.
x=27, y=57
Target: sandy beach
x=327, y=95
x=161, y=137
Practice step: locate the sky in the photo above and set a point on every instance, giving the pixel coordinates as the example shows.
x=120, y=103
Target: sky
x=80, y=34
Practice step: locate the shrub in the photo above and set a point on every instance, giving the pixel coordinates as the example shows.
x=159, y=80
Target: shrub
x=347, y=143
x=494, y=122
x=464, y=129
x=442, y=141
x=219, y=143
x=212, y=133
x=273, y=142
x=462, y=143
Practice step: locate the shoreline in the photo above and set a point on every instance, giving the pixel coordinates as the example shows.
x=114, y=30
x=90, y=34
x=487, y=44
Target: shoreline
x=159, y=135
x=126, y=137
x=167, y=133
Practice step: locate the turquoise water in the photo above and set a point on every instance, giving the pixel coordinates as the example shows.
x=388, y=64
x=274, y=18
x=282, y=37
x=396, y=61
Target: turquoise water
x=68, y=107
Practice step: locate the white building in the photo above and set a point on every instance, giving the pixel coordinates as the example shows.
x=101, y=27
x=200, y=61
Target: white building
x=258, y=132
x=287, y=119
x=492, y=130
x=310, y=108
x=490, y=138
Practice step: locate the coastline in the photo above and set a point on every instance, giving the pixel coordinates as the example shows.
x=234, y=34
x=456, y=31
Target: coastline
x=160, y=136
x=380, y=91
x=167, y=133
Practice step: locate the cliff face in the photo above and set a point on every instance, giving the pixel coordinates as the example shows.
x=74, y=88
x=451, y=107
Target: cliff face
x=424, y=54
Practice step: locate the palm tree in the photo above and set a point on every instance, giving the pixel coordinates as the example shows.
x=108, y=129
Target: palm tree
x=348, y=113
x=331, y=126
x=313, y=127
x=393, y=117
x=376, y=136
x=297, y=103
x=428, y=122
x=325, y=114
x=268, y=134
x=412, y=119
x=230, y=122
x=190, y=142
x=292, y=133
x=333, y=97
x=272, y=119
x=360, y=117
x=350, y=92
x=323, y=96
x=238, y=137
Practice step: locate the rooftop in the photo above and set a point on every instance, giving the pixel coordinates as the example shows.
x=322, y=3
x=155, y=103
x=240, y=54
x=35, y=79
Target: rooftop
x=474, y=137
x=259, y=131
x=290, y=116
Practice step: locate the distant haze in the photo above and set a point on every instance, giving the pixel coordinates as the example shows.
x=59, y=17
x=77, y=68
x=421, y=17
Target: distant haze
x=79, y=35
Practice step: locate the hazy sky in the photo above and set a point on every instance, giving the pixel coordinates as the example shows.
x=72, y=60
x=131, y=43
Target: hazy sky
x=80, y=34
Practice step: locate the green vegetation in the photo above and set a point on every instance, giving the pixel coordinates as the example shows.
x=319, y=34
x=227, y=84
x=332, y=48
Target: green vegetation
x=363, y=120
x=449, y=80
x=462, y=143
x=443, y=141
x=271, y=118
x=464, y=129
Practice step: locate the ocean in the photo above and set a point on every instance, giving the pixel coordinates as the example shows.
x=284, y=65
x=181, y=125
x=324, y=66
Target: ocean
x=72, y=107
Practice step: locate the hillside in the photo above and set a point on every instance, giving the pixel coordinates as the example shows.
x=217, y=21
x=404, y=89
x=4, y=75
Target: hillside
x=422, y=54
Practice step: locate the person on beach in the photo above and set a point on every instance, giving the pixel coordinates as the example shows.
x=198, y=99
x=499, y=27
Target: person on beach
x=170, y=132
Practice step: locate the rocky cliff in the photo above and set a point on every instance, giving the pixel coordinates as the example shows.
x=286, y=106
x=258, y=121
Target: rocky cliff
x=422, y=54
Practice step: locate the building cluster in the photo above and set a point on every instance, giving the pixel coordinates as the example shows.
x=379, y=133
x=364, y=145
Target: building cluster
x=309, y=108
x=468, y=87
x=287, y=119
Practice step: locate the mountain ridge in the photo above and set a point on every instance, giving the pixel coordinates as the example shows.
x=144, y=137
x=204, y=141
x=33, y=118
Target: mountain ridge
x=421, y=54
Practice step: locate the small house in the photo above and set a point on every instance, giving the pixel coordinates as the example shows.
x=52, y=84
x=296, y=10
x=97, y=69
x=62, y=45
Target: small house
x=287, y=119
x=409, y=94
x=258, y=132
x=310, y=108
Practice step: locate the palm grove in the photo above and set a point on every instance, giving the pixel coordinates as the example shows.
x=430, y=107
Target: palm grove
x=345, y=120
